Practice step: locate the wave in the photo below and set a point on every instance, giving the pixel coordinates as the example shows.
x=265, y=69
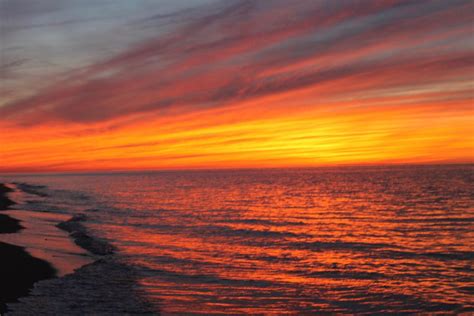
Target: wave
x=38, y=190
x=263, y=222
x=339, y=245
x=81, y=237
x=104, y=287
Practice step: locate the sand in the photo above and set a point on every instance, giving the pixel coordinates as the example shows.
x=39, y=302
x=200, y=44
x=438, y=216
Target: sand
x=43, y=240
x=18, y=269
x=9, y=225
x=18, y=272
x=32, y=248
x=49, y=265
x=5, y=202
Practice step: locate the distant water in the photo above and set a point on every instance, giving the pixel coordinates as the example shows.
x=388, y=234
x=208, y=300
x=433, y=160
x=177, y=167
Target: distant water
x=341, y=240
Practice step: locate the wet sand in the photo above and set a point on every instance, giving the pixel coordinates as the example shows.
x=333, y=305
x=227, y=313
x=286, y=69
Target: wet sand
x=18, y=269
x=5, y=202
x=105, y=287
x=9, y=225
x=18, y=272
x=43, y=240
x=84, y=276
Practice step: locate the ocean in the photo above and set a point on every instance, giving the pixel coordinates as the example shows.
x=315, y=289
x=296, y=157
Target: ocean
x=362, y=240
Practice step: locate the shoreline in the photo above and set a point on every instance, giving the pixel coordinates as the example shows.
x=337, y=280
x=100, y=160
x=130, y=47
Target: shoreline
x=5, y=201
x=9, y=225
x=50, y=286
x=43, y=240
x=19, y=270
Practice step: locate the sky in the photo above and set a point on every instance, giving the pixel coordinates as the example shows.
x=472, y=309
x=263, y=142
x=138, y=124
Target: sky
x=89, y=85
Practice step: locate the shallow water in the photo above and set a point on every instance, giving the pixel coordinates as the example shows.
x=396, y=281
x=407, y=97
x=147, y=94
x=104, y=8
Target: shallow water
x=352, y=239
x=42, y=239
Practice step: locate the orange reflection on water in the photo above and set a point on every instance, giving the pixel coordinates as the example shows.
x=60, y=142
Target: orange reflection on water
x=347, y=240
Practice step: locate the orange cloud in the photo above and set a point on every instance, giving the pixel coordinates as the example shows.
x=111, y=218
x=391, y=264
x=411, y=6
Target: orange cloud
x=254, y=86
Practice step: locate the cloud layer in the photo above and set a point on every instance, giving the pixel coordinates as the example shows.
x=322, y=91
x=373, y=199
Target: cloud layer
x=229, y=65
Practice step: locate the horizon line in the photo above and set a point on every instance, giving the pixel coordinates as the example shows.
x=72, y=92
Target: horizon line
x=207, y=169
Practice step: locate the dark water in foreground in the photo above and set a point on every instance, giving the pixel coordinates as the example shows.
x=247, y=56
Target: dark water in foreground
x=344, y=240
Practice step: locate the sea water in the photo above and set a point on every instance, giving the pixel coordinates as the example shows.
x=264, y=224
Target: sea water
x=296, y=241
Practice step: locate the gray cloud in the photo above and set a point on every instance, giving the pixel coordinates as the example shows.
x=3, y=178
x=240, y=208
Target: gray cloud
x=221, y=53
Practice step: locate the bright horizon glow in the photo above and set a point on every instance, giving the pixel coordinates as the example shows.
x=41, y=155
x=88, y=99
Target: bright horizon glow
x=237, y=84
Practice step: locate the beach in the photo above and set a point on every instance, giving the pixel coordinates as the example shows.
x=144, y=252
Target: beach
x=9, y=225
x=76, y=269
x=19, y=270
x=5, y=202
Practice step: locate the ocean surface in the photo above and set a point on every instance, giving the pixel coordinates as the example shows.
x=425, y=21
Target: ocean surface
x=300, y=241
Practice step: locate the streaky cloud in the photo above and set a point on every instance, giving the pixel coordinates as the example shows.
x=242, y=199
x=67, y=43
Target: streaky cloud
x=229, y=49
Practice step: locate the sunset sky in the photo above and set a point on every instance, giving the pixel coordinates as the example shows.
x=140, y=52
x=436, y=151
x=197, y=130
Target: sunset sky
x=92, y=85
